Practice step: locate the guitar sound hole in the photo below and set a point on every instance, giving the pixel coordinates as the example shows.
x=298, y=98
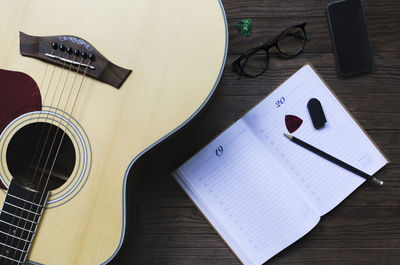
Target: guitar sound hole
x=32, y=151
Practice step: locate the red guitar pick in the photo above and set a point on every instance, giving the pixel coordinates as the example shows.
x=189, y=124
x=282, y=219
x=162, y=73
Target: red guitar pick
x=292, y=123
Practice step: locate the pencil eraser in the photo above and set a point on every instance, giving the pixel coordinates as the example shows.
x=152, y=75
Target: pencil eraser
x=317, y=113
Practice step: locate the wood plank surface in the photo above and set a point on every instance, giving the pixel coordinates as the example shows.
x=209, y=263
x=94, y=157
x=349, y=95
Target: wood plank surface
x=364, y=229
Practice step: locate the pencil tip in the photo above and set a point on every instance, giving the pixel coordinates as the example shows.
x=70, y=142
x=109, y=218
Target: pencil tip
x=377, y=181
x=288, y=136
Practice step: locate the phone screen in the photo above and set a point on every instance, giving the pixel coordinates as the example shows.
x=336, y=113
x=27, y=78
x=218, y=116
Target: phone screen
x=350, y=37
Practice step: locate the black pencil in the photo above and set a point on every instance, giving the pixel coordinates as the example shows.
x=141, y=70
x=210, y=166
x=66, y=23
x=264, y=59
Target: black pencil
x=333, y=159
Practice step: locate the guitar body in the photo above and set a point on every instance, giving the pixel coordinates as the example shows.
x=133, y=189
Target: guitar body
x=176, y=50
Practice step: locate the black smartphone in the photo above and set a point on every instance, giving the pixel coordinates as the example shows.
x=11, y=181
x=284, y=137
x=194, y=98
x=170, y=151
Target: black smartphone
x=350, y=37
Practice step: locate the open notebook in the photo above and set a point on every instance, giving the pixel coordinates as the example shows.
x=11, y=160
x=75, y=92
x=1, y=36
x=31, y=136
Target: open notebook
x=262, y=192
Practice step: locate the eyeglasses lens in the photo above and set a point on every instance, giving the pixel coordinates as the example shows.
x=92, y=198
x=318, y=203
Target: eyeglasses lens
x=257, y=63
x=291, y=41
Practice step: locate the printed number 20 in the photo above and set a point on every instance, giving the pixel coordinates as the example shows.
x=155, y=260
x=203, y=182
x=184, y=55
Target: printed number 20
x=279, y=102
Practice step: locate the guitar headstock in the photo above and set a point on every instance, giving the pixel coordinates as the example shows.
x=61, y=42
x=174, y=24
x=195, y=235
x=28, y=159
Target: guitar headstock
x=75, y=53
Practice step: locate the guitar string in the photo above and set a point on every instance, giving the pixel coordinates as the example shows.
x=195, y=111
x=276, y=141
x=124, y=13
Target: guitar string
x=63, y=135
x=25, y=157
x=55, y=137
x=38, y=142
x=59, y=79
x=39, y=116
x=49, y=153
x=59, y=146
x=49, y=124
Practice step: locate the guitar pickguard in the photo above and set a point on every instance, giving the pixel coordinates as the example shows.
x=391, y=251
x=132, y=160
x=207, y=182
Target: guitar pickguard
x=19, y=94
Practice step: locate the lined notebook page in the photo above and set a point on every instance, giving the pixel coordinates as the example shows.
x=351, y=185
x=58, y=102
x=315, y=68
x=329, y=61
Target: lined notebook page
x=246, y=195
x=325, y=183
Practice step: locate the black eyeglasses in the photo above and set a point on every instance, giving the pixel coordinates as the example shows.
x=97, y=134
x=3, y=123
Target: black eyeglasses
x=289, y=43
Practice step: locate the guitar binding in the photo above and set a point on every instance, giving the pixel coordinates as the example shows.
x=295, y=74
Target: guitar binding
x=85, y=56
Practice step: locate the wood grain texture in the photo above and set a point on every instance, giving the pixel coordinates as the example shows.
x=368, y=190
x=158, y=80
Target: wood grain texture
x=364, y=229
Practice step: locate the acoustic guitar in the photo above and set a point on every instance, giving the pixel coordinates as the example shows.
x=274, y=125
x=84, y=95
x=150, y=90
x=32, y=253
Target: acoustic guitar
x=86, y=88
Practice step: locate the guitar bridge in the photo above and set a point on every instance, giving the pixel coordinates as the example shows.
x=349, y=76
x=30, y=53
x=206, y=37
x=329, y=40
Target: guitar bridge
x=73, y=53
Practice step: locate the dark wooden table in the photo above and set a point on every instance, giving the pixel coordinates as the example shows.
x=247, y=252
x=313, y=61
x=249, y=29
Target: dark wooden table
x=364, y=229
